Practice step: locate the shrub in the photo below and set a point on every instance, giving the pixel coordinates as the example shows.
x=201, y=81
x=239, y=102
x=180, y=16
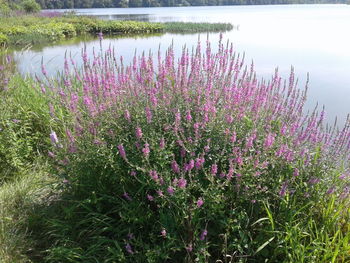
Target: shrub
x=31, y=6
x=194, y=161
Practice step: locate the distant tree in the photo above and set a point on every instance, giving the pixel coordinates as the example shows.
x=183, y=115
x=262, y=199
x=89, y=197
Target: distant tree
x=30, y=6
x=4, y=7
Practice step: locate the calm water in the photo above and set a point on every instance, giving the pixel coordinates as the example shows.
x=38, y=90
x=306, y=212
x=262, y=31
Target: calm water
x=312, y=38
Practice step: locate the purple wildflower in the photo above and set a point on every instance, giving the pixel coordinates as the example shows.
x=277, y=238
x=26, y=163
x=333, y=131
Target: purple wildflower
x=150, y=198
x=121, y=151
x=170, y=190
x=138, y=133
x=53, y=137
x=283, y=190
x=146, y=150
x=199, y=163
x=296, y=172
x=203, y=234
x=163, y=233
x=182, y=182
x=128, y=248
x=214, y=169
x=162, y=144
x=154, y=175
x=200, y=202
x=175, y=167
x=127, y=196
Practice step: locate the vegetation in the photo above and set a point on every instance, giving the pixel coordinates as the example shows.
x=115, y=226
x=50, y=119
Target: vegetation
x=182, y=27
x=194, y=161
x=50, y=27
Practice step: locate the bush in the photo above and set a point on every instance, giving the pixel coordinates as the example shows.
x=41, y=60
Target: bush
x=31, y=6
x=195, y=162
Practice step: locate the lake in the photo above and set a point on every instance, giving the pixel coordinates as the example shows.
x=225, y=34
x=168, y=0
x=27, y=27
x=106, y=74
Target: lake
x=311, y=38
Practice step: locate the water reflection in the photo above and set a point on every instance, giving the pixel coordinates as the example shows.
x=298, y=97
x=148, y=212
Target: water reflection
x=126, y=17
x=312, y=38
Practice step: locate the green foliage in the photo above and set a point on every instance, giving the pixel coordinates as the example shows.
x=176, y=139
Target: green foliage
x=30, y=6
x=183, y=27
x=19, y=203
x=3, y=39
x=31, y=29
x=23, y=127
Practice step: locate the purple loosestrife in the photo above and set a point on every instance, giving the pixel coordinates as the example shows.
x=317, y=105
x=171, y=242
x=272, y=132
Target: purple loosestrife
x=199, y=163
x=128, y=248
x=53, y=137
x=205, y=113
x=182, y=183
x=146, y=150
x=171, y=190
x=214, y=169
x=203, y=235
x=175, y=167
x=163, y=233
x=121, y=151
x=138, y=133
x=154, y=175
x=200, y=202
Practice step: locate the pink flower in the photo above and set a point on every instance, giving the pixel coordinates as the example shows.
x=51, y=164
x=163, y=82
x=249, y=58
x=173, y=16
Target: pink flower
x=146, y=150
x=162, y=144
x=200, y=202
x=148, y=114
x=170, y=190
x=296, y=172
x=283, y=190
x=214, y=169
x=189, y=166
x=128, y=248
x=160, y=193
x=269, y=141
x=188, y=116
x=175, y=167
x=53, y=137
x=150, y=198
x=121, y=151
x=203, y=235
x=182, y=183
x=154, y=175
x=126, y=196
x=127, y=115
x=138, y=133
x=199, y=163
x=189, y=248
x=163, y=233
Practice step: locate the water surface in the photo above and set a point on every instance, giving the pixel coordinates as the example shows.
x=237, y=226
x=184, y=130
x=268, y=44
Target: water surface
x=312, y=38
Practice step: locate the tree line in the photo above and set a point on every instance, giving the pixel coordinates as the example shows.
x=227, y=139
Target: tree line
x=58, y=4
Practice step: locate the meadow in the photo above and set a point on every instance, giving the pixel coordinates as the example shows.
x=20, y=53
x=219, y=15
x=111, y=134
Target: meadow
x=189, y=159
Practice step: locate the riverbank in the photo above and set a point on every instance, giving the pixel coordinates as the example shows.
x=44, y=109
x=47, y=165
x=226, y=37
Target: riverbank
x=51, y=27
x=172, y=163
